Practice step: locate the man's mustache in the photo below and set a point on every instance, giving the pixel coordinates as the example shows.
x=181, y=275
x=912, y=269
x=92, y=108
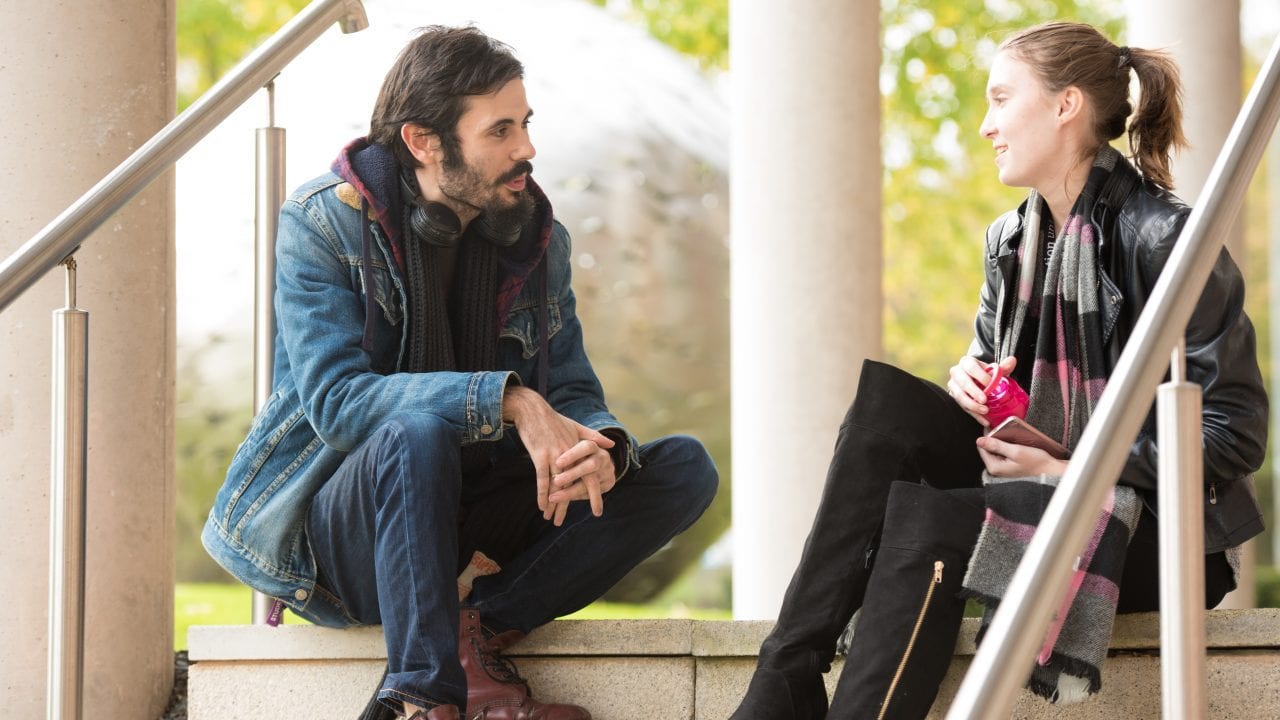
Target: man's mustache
x=524, y=167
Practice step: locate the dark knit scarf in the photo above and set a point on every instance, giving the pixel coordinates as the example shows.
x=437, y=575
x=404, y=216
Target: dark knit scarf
x=1067, y=379
x=456, y=328
x=466, y=339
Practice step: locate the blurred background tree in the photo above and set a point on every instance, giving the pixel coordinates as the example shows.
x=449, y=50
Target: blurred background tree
x=213, y=35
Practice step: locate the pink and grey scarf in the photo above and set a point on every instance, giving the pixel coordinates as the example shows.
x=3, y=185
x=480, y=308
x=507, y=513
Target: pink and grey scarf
x=1067, y=380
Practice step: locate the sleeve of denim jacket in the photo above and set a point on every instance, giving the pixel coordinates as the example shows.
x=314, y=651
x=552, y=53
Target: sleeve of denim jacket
x=572, y=386
x=321, y=319
x=1222, y=359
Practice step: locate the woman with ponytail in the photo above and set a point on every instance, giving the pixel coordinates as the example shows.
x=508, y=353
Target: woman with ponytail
x=922, y=509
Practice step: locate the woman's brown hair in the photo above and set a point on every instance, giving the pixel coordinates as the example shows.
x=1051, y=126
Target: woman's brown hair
x=1073, y=54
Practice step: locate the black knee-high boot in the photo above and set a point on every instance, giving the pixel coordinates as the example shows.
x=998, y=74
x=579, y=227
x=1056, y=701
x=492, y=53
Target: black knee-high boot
x=906, y=632
x=899, y=428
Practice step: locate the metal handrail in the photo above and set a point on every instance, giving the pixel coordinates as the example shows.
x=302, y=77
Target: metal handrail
x=65, y=233
x=1004, y=660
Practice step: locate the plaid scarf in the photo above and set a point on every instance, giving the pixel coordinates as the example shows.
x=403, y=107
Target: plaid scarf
x=1067, y=380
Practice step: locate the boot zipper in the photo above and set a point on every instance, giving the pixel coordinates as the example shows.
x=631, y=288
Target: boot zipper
x=915, y=632
x=1213, y=493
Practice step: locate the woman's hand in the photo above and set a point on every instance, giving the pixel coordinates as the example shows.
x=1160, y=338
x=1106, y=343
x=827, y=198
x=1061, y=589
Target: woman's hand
x=969, y=378
x=1006, y=459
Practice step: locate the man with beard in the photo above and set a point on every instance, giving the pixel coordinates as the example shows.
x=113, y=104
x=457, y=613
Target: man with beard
x=437, y=454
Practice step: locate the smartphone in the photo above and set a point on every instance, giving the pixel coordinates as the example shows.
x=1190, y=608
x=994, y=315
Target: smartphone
x=1018, y=431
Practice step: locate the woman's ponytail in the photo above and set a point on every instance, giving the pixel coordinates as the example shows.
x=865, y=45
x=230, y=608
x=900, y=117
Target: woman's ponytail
x=1156, y=129
x=1074, y=54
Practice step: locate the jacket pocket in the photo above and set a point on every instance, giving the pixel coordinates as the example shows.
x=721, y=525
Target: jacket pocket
x=266, y=433
x=385, y=293
x=523, y=327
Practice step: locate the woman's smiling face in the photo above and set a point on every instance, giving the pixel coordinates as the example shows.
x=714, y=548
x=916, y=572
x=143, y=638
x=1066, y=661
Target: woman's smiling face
x=1022, y=123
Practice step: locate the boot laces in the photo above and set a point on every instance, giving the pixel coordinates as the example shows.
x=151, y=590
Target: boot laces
x=498, y=667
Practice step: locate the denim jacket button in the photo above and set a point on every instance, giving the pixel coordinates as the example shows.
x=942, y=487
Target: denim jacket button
x=486, y=429
x=300, y=594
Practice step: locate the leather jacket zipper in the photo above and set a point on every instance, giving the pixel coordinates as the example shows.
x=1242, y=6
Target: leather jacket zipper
x=915, y=632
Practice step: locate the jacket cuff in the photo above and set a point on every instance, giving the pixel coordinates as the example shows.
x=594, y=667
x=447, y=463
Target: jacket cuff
x=625, y=451
x=484, y=405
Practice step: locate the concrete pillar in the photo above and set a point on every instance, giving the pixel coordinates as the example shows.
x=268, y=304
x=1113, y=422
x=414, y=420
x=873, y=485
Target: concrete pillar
x=1204, y=38
x=805, y=265
x=83, y=84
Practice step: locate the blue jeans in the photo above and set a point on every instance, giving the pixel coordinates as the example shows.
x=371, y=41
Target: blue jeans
x=384, y=531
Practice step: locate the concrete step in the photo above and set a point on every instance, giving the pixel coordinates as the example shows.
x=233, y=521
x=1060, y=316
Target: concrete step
x=683, y=669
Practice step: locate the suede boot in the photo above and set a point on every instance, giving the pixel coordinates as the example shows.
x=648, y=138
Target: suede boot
x=906, y=631
x=494, y=690
x=898, y=428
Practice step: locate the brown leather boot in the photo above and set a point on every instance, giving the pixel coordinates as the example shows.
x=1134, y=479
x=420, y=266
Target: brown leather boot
x=440, y=712
x=494, y=690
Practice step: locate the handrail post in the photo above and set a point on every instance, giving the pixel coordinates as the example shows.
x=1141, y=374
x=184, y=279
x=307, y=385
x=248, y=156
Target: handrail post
x=65, y=691
x=1181, y=505
x=269, y=196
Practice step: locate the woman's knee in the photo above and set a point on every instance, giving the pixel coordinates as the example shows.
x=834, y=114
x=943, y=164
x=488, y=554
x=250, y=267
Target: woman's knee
x=892, y=399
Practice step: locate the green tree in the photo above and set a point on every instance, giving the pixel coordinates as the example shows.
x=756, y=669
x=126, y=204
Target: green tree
x=940, y=185
x=213, y=35
x=697, y=28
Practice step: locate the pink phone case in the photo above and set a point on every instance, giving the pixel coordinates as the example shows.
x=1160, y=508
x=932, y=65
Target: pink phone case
x=1018, y=431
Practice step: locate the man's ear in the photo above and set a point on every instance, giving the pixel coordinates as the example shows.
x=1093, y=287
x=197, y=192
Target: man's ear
x=1070, y=104
x=423, y=144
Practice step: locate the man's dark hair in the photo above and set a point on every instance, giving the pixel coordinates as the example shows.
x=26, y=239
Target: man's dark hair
x=429, y=83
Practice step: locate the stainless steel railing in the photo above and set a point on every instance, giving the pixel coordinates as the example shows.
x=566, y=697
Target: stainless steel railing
x=1004, y=660
x=57, y=242
x=64, y=234
x=270, y=156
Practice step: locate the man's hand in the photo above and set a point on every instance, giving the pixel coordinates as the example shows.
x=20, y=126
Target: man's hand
x=571, y=460
x=1006, y=459
x=969, y=379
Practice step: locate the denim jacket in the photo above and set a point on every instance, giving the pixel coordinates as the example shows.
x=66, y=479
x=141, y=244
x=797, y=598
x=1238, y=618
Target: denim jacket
x=329, y=393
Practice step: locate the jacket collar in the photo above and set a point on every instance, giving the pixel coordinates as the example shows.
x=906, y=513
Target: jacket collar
x=1123, y=183
x=373, y=171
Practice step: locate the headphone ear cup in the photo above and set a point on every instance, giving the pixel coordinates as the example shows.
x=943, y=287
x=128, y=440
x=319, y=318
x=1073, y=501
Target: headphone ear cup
x=432, y=223
x=496, y=236
x=435, y=224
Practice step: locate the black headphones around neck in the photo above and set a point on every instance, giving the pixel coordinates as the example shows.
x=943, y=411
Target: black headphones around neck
x=437, y=224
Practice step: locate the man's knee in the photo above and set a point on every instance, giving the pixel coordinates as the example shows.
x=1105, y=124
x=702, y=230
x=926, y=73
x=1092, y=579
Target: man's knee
x=683, y=465
x=421, y=446
x=416, y=430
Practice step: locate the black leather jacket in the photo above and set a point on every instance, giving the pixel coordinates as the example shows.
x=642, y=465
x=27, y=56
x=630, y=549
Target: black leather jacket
x=1139, y=224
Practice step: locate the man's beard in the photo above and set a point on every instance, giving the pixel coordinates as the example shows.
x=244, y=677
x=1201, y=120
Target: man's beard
x=464, y=184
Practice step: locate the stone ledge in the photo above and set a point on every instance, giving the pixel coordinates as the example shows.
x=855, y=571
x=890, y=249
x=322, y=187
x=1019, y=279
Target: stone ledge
x=686, y=670
x=563, y=637
x=1140, y=631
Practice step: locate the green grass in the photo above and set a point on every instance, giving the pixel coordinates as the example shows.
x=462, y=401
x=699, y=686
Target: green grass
x=230, y=604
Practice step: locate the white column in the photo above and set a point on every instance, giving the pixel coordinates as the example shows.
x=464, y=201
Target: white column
x=805, y=265
x=1204, y=37
x=83, y=84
